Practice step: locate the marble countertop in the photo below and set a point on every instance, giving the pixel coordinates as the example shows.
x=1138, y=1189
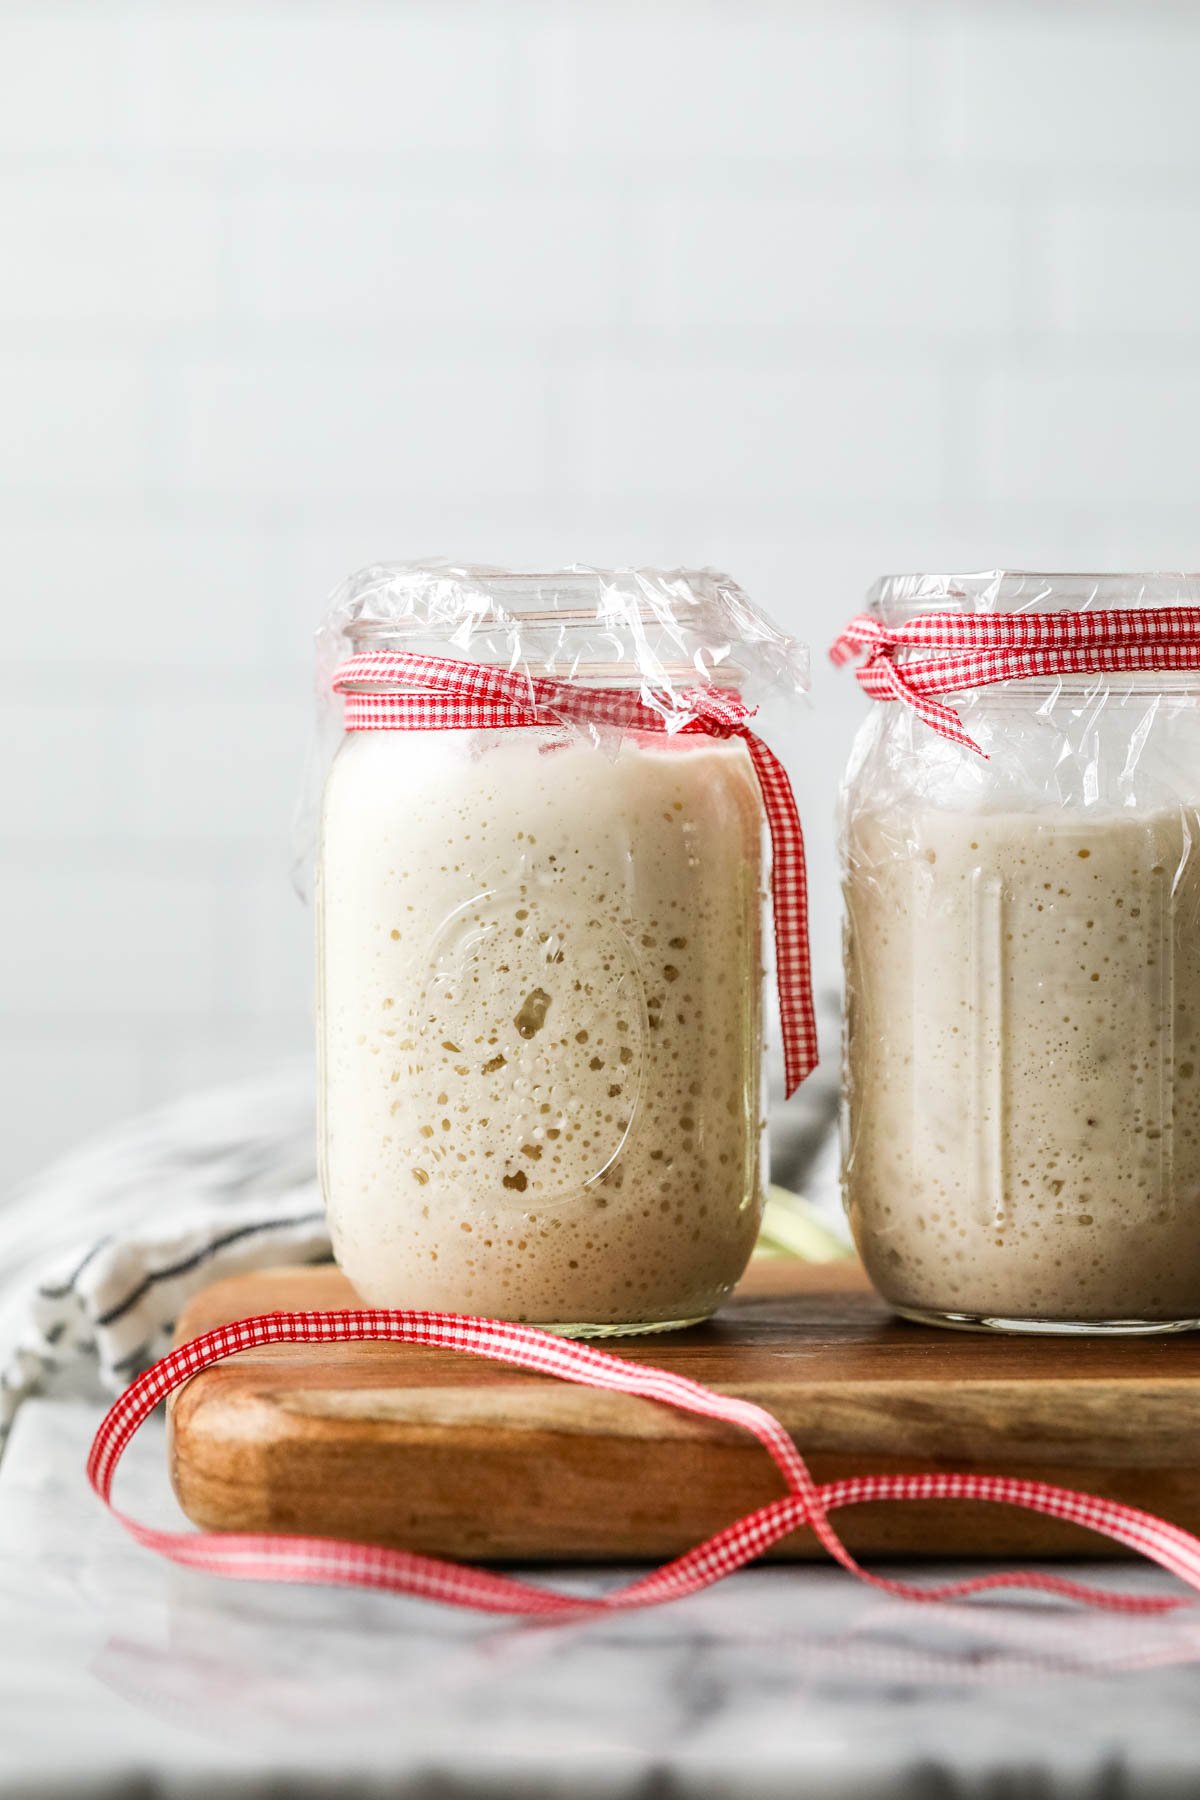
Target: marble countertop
x=123, y=1675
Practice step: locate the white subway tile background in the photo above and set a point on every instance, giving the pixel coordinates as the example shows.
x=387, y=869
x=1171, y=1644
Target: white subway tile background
x=804, y=290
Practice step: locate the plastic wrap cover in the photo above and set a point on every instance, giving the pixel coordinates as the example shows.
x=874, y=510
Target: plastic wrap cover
x=1130, y=742
x=663, y=631
x=657, y=632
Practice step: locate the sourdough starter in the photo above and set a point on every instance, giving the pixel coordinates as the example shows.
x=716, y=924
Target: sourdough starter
x=1023, y=1061
x=540, y=993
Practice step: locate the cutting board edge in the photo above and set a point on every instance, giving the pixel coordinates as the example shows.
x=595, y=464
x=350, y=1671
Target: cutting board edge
x=252, y=1446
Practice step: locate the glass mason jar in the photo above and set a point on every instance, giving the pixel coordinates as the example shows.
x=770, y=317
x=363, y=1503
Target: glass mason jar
x=540, y=969
x=1021, y=1145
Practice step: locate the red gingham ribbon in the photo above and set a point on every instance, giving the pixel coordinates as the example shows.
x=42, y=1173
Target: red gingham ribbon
x=409, y=692
x=247, y=1556
x=902, y=662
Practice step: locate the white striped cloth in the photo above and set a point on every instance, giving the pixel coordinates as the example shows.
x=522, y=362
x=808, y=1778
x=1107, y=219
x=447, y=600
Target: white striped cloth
x=100, y=1253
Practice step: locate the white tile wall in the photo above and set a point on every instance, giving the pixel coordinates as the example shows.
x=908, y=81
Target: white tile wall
x=266, y=426
x=63, y=78
x=76, y=425
x=1096, y=425
x=96, y=247
x=1055, y=88
x=132, y=601
x=710, y=81
x=111, y=939
x=1127, y=261
x=261, y=78
x=805, y=290
x=708, y=261
x=637, y=429
x=528, y=249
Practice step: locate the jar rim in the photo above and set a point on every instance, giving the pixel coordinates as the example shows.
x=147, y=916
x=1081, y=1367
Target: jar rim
x=404, y=599
x=894, y=599
x=522, y=595
x=587, y=674
x=666, y=629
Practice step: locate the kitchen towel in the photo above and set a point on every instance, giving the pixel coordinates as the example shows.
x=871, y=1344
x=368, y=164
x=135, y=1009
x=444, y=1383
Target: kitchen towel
x=101, y=1252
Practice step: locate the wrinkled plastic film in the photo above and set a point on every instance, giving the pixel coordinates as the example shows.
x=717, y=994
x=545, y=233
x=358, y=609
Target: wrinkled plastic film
x=656, y=632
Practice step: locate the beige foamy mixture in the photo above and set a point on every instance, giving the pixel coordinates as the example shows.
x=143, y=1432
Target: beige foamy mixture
x=540, y=1023
x=1023, y=1061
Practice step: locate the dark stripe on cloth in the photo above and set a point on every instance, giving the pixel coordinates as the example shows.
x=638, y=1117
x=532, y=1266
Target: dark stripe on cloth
x=60, y=1293
x=198, y=1257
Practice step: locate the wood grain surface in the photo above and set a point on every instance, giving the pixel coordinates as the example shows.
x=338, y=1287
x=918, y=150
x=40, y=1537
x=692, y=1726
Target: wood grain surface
x=448, y=1455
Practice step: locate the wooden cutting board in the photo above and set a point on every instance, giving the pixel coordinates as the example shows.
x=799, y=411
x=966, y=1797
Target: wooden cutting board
x=445, y=1454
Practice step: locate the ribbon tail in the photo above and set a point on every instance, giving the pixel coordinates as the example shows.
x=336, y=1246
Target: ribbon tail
x=259, y=1556
x=862, y=633
x=789, y=895
x=883, y=680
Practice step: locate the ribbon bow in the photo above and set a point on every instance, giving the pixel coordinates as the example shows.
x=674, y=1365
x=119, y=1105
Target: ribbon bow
x=950, y=653
x=390, y=690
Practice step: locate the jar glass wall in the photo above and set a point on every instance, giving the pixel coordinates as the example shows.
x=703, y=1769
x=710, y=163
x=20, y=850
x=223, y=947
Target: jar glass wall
x=1022, y=1055
x=540, y=1007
